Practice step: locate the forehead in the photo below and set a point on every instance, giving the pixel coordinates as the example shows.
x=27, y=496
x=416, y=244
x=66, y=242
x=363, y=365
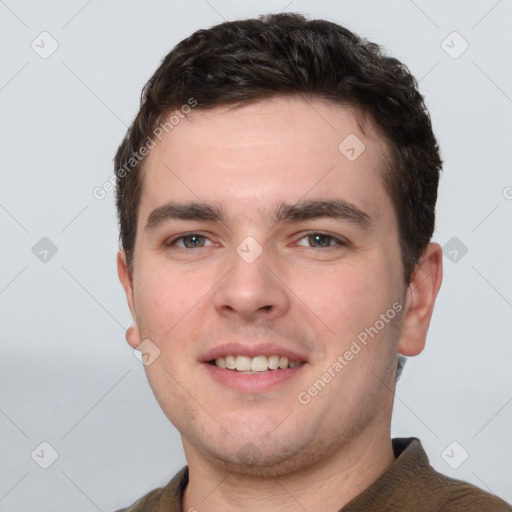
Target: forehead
x=272, y=151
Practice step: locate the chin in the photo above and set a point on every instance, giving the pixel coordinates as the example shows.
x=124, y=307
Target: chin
x=270, y=462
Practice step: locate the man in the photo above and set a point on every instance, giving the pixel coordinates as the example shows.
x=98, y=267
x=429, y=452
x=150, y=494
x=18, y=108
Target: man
x=276, y=197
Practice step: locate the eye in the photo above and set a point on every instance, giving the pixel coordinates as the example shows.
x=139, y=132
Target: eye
x=190, y=241
x=320, y=240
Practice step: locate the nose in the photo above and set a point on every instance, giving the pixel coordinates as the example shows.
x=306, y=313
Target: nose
x=252, y=291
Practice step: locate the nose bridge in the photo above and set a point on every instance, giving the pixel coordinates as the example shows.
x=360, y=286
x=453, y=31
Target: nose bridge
x=250, y=288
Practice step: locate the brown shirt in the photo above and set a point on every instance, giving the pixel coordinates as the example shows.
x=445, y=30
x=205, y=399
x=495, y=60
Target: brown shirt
x=409, y=484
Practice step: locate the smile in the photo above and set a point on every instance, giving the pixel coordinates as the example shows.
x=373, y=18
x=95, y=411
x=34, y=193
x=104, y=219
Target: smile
x=256, y=364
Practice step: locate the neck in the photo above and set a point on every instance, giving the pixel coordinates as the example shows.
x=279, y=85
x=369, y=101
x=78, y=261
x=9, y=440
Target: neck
x=327, y=485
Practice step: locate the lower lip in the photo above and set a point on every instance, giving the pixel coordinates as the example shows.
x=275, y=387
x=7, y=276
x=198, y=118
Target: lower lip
x=252, y=382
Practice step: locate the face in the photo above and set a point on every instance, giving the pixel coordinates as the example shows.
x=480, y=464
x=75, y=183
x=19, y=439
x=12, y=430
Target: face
x=259, y=239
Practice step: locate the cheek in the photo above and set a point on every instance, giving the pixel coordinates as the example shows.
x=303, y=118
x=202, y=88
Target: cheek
x=166, y=298
x=155, y=301
x=344, y=299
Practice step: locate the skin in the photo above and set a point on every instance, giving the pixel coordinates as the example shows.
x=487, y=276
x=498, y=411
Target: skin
x=314, y=300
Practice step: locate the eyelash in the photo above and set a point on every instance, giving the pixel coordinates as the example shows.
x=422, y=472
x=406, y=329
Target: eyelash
x=340, y=242
x=172, y=242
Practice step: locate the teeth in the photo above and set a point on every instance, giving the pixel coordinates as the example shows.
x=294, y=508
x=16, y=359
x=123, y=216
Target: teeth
x=273, y=362
x=255, y=364
x=258, y=364
x=243, y=363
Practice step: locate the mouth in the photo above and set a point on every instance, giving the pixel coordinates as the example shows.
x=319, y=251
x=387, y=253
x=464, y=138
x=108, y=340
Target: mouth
x=254, y=365
x=254, y=368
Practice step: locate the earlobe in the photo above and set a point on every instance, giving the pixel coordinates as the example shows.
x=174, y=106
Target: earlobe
x=133, y=336
x=420, y=299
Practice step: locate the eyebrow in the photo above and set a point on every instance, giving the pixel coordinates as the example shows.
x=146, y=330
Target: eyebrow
x=338, y=209
x=184, y=211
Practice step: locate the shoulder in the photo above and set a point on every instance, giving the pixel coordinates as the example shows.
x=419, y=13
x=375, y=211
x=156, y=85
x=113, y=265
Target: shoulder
x=416, y=485
x=459, y=496
x=147, y=503
x=166, y=498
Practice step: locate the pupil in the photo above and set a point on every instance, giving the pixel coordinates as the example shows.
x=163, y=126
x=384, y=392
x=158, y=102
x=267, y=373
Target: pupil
x=319, y=240
x=193, y=241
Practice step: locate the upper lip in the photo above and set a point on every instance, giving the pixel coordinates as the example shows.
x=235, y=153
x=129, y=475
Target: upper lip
x=260, y=349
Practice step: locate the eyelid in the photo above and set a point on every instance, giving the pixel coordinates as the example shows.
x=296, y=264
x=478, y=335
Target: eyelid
x=169, y=242
x=341, y=240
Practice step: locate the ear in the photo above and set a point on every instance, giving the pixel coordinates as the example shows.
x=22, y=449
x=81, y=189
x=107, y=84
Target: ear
x=132, y=334
x=420, y=298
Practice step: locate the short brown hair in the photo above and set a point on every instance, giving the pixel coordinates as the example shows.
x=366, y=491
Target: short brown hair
x=239, y=62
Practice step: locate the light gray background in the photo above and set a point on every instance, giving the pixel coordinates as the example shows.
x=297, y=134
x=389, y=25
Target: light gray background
x=68, y=377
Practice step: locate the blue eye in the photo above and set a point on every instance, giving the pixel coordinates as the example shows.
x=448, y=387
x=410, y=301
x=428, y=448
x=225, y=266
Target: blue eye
x=314, y=240
x=320, y=240
x=190, y=241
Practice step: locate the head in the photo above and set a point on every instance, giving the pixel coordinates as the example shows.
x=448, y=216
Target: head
x=300, y=161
